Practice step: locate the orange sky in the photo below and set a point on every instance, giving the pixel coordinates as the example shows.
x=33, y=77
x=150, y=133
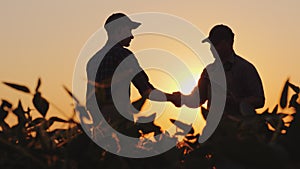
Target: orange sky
x=43, y=39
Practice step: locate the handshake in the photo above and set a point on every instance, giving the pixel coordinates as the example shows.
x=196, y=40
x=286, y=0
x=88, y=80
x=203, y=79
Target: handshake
x=175, y=98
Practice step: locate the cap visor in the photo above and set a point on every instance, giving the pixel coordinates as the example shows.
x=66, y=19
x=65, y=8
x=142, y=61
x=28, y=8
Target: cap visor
x=205, y=40
x=135, y=25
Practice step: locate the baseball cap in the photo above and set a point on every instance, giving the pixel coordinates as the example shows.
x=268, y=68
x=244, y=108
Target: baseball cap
x=121, y=20
x=218, y=33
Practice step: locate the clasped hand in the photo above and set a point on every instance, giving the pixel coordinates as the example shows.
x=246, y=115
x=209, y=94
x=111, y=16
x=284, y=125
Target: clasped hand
x=175, y=98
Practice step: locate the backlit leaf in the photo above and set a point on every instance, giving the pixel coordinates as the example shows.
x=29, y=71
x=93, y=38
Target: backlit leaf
x=266, y=112
x=41, y=104
x=20, y=113
x=284, y=95
x=5, y=103
x=71, y=94
x=273, y=121
x=3, y=113
x=275, y=109
x=56, y=119
x=295, y=88
x=293, y=101
x=48, y=123
x=18, y=87
x=38, y=85
x=36, y=121
x=145, y=119
x=185, y=127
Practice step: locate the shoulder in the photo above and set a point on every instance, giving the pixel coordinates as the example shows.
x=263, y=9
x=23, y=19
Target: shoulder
x=241, y=62
x=216, y=66
x=246, y=68
x=207, y=69
x=96, y=58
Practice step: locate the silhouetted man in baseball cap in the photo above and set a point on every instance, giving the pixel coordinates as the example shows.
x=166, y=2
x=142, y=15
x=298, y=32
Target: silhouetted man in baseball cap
x=120, y=20
x=116, y=62
x=243, y=86
x=243, y=81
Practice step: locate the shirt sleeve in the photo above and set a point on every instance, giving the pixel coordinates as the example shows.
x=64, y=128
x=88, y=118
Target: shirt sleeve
x=141, y=79
x=204, y=86
x=141, y=82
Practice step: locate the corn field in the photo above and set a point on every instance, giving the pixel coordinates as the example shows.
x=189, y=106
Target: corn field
x=263, y=140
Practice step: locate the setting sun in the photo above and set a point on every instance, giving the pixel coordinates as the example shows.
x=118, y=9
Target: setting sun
x=45, y=49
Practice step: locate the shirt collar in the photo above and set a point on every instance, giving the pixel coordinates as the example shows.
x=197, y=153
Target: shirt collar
x=231, y=58
x=113, y=44
x=229, y=63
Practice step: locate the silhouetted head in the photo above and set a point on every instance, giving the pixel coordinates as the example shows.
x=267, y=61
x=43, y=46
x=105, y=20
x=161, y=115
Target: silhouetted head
x=222, y=38
x=118, y=27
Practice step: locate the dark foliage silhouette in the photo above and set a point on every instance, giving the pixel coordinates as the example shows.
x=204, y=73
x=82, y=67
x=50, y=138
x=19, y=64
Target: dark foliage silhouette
x=266, y=140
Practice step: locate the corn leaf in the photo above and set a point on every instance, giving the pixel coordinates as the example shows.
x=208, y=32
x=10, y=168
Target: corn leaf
x=284, y=95
x=38, y=85
x=41, y=104
x=71, y=94
x=185, y=127
x=295, y=88
x=18, y=87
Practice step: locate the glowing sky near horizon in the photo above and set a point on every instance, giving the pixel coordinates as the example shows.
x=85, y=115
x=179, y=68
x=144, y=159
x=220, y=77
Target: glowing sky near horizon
x=44, y=38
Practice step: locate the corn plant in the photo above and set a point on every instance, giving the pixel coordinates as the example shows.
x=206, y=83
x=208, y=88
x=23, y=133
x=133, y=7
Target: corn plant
x=30, y=141
x=263, y=140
